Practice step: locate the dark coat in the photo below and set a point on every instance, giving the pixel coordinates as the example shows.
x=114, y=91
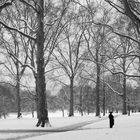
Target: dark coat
x=111, y=120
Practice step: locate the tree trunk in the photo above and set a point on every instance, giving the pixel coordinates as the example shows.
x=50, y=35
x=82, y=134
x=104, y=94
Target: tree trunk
x=40, y=83
x=81, y=102
x=63, y=112
x=18, y=100
x=124, y=83
x=36, y=98
x=98, y=91
x=18, y=91
x=124, y=96
x=71, y=111
x=32, y=110
x=104, y=99
x=129, y=109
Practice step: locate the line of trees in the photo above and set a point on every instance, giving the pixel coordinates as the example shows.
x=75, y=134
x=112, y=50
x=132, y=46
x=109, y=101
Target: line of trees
x=72, y=44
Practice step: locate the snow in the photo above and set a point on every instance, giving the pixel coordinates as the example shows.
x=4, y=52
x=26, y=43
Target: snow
x=125, y=128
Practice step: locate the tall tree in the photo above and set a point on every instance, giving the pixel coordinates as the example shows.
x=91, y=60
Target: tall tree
x=38, y=37
x=97, y=37
x=124, y=56
x=69, y=59
x=13, y=44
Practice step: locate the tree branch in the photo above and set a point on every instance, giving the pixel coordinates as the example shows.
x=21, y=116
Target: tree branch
x=6, y=5
x=28, y=4
x=15, y=29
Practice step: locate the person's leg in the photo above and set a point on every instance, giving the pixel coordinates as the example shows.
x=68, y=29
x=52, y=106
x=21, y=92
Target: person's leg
x=111, y=123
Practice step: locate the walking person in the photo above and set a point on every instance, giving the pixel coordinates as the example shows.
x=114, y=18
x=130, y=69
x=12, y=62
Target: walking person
x=111, y=120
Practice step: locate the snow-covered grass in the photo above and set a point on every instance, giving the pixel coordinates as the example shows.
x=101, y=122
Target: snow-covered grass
x=125, y=128
x=27, y=122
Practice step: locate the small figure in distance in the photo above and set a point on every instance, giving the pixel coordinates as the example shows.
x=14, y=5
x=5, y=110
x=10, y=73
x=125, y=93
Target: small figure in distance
x=111, y=119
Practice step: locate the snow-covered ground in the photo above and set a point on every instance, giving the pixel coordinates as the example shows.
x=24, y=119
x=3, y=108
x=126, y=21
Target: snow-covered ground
x=125, y=128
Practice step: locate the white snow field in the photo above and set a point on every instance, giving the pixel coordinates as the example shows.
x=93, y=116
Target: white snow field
x=68, y=128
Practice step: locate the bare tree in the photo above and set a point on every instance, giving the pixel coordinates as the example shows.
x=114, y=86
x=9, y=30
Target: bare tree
x=125, y=64
x=13, y=65
x=123, y=57
x=97, y=37
x=38, y=37
x=69, y=57
x=14, y=45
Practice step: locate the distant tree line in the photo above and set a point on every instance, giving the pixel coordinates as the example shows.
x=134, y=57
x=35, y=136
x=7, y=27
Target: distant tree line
x=84, y=103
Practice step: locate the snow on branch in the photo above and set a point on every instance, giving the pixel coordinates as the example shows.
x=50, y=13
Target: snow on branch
x=23, y=65
x=113, y=89
x=93, y=80
x=115, y=6
x=28, y=26
x=6, y=5
x=15, y=29
x=28, y=4
x=119, y=34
